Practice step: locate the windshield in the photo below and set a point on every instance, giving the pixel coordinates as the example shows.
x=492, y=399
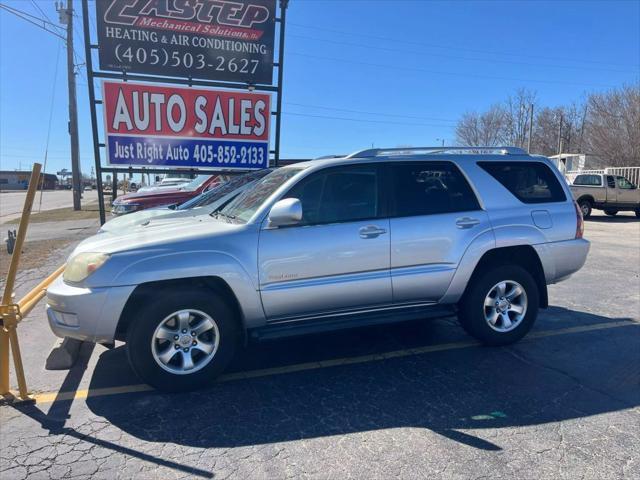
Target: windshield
x=223, y=189
x=195, y=183
x=247, y=203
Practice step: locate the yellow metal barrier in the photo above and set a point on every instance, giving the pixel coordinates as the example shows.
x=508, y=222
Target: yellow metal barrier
x=11, y=313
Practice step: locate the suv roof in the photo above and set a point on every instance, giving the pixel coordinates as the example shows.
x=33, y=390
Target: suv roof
x=378, y=152
x=420, y=153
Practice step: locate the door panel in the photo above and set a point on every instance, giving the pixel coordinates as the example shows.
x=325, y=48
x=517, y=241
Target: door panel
x=425, y=252
x=319, y=268
x=612, y=191
x=434, y=217
x=628, y=194
x=338, y=257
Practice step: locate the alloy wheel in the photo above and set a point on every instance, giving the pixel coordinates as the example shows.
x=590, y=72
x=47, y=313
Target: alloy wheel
x=185, y=341
x=505, y=306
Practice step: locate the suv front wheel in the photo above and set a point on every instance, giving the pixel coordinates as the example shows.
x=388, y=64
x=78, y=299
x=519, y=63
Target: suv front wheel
x=181, y=339
x=500, y=305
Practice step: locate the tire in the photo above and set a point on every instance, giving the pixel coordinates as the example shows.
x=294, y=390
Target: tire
x=472, y=313
x=145, y=349
x=611, y=213
x=585, y=208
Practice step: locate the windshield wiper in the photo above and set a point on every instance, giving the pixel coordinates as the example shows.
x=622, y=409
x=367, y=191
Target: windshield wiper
x=219, y=214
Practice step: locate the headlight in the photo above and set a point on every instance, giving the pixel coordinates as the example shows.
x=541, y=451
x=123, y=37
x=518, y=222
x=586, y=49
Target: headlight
x=83, y=265
x=122, y=208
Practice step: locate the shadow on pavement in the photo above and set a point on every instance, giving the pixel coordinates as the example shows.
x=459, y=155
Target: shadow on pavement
x=55, y=419
x=617, y=219
x=539, y=381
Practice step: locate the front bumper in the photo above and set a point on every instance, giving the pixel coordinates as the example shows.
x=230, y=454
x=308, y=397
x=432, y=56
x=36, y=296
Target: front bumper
x=85, y=313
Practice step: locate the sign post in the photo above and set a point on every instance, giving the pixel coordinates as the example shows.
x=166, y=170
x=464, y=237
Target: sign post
x=164, y=64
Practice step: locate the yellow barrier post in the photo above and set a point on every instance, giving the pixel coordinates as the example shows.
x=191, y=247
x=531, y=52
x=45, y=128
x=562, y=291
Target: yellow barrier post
x=10, y=311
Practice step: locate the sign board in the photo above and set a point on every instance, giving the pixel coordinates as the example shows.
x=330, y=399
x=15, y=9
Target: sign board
x=161, y=125
x=209, y=39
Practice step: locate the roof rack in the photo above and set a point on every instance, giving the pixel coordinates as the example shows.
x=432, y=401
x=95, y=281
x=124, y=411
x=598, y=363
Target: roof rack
x=379, y=152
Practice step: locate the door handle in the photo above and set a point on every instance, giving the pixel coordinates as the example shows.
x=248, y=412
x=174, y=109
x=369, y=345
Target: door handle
x=371, y=231
x=467, y=222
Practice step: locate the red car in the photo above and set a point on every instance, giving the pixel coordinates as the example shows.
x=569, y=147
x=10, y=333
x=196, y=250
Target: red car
x=132, y=202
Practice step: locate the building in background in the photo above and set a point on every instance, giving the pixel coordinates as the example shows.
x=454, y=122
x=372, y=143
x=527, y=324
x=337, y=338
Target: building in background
x=19, y=180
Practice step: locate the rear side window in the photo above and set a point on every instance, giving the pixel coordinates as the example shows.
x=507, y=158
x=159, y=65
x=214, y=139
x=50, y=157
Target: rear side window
x=529, y=182
x=591, y=180
x=427, y=188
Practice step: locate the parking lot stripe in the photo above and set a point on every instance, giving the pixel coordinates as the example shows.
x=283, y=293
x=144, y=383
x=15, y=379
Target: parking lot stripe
x=48, y=397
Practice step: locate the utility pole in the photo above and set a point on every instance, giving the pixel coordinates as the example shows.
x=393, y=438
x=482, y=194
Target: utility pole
x=584, y=119
x=530, y=128
x=66, y=18
x=560, y=136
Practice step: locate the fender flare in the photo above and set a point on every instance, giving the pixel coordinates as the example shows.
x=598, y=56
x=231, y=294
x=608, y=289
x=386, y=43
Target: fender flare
x=501, y=237
x=199, y=264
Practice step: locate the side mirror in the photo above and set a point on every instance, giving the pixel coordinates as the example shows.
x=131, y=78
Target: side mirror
x=285, y=212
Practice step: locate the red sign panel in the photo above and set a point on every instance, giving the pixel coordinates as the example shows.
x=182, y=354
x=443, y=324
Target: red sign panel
x=149, y=124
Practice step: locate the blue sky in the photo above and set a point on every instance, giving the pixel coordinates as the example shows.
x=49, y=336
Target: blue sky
x=358, y=73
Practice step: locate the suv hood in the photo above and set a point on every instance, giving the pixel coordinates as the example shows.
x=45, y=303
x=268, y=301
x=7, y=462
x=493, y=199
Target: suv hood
x=145, y=218
x=158, y=235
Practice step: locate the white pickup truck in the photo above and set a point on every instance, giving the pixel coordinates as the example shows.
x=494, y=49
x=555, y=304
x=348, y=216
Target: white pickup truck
x=611, y=193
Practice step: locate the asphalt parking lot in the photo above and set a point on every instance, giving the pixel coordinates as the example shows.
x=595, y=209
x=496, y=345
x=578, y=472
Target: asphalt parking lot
x=412, y=400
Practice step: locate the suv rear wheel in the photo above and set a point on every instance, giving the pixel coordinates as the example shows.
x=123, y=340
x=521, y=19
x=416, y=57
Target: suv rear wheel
x=500, y=306
x=182, y=340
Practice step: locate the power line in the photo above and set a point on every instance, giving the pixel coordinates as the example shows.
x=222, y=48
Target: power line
x=53, y=97
x=448, y=56
x=377, y=114
x=448, y=47
x=35, y=4
x=32, y=19
x=361, y=120
x=35, y=155
x=22, y=150
x=437, y=72
x=26, y=14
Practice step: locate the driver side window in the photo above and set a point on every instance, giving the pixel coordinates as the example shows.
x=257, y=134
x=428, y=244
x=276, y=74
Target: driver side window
x=336, y=195
x=625, y=184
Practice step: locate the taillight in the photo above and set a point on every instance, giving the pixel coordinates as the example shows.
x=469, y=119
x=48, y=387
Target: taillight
x=579, y=221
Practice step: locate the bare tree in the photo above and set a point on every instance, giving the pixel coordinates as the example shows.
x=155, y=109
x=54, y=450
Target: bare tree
x=485, y=129
x=547, y=126
x=612, y=129
x=502, y=124
x=517, y=117
x=606, y=126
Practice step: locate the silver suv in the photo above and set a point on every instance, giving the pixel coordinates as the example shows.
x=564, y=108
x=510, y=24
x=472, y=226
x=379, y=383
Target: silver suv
x=377, y=236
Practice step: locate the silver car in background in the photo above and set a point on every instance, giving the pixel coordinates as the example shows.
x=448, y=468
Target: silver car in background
x=203, y=204
x=381, y=235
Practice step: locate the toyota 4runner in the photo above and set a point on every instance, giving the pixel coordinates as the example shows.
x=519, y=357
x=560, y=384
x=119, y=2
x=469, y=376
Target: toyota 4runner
x=381, y=235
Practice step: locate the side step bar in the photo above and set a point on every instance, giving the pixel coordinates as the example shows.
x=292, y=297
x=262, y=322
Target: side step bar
x=350, y=320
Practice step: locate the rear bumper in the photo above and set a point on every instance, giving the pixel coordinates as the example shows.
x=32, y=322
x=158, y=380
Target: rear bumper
x=84, y=313
x=562, y=259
